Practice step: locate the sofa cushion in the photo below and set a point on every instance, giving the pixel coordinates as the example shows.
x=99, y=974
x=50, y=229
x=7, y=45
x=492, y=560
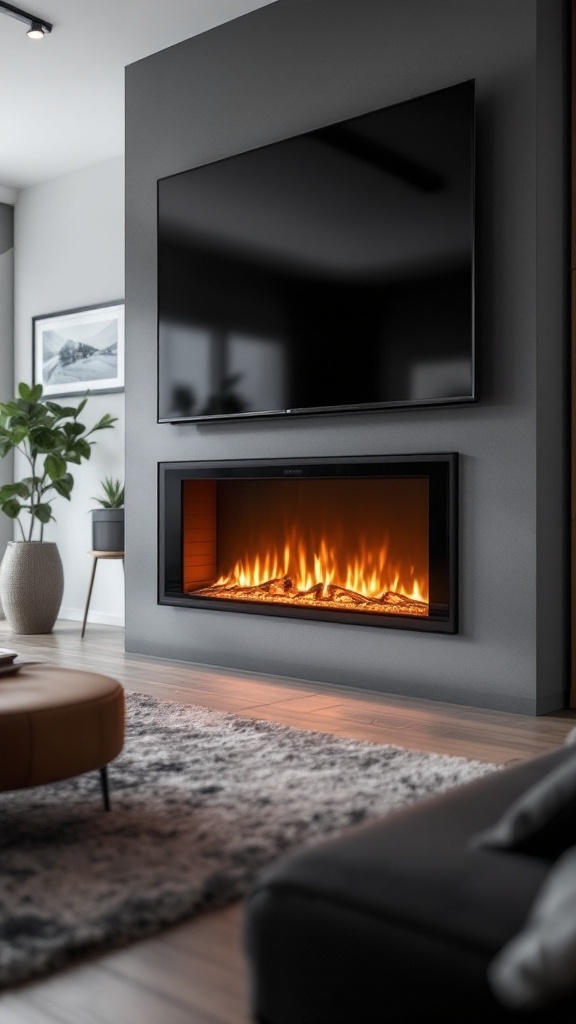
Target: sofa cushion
x=542, y=820
x=539, y=964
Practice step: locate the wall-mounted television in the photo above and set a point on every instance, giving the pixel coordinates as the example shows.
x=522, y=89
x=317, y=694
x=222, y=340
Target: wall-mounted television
x=331, y=271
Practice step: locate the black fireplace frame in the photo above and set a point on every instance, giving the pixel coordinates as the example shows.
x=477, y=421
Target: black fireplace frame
x=441, y=468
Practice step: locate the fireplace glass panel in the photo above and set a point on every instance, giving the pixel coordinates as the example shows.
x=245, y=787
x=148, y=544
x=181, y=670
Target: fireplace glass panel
x=367, y=540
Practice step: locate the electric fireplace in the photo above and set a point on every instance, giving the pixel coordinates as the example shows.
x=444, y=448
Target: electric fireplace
x=366, y=540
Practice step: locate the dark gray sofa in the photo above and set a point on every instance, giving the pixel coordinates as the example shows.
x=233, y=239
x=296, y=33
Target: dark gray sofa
x=397, y=921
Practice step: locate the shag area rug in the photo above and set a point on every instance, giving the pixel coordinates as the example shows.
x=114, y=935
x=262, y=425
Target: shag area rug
x=201, y=802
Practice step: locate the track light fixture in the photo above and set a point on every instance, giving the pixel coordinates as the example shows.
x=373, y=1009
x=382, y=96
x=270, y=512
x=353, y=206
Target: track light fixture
x=37, y=26
x=36, y=30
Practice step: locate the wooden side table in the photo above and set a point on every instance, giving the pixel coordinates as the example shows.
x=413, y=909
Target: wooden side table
x=96, y=556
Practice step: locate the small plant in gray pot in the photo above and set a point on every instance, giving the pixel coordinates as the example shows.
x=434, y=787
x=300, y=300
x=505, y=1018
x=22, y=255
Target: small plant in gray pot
x=108, y=520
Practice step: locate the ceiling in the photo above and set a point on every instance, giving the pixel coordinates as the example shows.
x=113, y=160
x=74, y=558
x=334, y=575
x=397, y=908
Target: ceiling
x=62, y=97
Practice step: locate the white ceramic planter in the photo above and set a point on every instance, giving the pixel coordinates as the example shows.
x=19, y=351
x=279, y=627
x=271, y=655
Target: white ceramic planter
x=31, y=585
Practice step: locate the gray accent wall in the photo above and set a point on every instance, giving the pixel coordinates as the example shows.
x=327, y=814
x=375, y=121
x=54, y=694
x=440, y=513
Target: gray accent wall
x=6, y=227
x=6, y=347
x=290, y=67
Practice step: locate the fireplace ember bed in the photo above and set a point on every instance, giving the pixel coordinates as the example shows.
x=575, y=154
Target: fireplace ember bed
x=369, y=540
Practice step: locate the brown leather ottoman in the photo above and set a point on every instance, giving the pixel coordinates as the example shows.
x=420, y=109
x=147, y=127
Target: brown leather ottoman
x=56, y=723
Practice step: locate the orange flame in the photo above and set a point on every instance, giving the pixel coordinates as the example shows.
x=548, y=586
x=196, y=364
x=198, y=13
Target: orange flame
x=369, y=572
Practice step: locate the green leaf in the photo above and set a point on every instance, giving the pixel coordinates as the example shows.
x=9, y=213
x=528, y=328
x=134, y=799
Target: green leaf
x=81, y=405
x=81, y=448
x=36, y=393
x=64, y=485
x=11, y=438
x=67, y=412
x=30, y=482
x=11, y=508
x=10, y=409
x=17, y=490
x=25, y=392
x=105, y=422
x=113, y=493
x=73, y=429
x=20, y=422
x=18, y=435
x=55, y=466
x=40, y=414
x=44, y=439
x=43, y=512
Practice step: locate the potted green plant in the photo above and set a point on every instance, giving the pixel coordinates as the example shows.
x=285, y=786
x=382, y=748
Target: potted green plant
x=50, y=437
x=108, y=520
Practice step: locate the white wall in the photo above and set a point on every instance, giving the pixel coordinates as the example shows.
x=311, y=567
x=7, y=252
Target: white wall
x=69, y=252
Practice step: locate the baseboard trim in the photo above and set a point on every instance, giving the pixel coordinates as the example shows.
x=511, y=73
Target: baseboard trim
x=98, y=618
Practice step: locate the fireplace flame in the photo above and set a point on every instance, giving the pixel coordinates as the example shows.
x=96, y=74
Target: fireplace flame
x=317, y=574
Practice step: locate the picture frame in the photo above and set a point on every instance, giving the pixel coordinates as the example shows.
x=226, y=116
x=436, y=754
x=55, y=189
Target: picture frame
x=80, y=350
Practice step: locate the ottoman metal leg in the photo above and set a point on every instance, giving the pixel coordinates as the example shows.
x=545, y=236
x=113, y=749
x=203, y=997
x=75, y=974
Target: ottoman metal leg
x=104, y=781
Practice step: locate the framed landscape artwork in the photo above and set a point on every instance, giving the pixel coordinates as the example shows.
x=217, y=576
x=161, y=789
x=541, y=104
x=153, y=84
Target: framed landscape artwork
x=79, y=350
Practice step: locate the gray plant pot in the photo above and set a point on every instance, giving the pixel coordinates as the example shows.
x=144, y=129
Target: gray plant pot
x=31, y=585
x=108, y=529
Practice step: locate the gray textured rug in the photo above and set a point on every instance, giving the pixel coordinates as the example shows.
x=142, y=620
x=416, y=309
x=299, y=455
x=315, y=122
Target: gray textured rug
x=201, y=801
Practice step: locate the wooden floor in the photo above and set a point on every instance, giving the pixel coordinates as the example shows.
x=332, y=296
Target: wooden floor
x=195, y=973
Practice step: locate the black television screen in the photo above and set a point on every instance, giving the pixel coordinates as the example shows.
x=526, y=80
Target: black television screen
x=332, y=270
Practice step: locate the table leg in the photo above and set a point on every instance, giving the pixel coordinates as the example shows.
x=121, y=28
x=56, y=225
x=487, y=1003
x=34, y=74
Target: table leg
x=89, y=596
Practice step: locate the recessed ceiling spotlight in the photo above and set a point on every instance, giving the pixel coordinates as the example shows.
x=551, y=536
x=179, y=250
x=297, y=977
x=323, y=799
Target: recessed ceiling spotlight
x=38, y=27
